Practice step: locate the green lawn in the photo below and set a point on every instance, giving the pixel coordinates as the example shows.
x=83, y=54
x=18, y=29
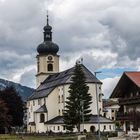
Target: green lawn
x=13, y=137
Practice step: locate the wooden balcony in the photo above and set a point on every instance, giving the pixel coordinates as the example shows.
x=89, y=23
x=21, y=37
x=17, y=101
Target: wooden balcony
x=122, y=116
x=129, y=101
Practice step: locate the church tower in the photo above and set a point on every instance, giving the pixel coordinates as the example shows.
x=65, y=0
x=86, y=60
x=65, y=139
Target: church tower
x=47, y=58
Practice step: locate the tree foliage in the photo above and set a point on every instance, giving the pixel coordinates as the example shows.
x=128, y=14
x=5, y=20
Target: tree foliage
x=14, y=104
x=78, y=102
x=4, y=117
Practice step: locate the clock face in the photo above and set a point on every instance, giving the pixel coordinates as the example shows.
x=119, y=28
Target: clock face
x=50, y=58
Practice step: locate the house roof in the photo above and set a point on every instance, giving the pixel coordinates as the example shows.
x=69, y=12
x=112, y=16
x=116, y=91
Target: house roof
x=93, y=119
x=109, y=102
x=42, y=109
x=135, y=77
x=126, y=80
x=52, y=81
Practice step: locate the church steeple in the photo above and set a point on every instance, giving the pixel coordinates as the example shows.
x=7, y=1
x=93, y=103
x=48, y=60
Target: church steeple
x=47, y=47
x=47, y=58
x=47, y=31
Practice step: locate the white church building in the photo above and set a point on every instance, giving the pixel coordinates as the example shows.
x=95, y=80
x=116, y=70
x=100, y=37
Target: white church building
x=47, y=103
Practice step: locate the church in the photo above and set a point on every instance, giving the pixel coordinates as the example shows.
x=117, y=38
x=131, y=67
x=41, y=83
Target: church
x=46, y=105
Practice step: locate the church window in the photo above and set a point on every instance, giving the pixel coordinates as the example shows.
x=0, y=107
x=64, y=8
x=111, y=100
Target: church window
x=62, y=111
x=104, y=127
x=39, y=101
x=100, y=97
x=59, y=112
x=62, y=98
x=64, y=128
x=42, y=118
x=31, y=108
x=100, y=111
x=59, y=99
x=33, y=103
x=110, y=127
x=104, y=114
x=50, y=67
x=38, y=65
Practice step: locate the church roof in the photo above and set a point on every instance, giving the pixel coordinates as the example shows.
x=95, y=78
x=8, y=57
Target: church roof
x=42, y=109
x=58, y=79
x=93, y=119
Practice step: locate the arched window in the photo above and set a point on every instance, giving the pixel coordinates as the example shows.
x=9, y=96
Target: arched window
x=59, y=112
x=59, y=99
x=62, y=98
x=50, y=67
x=42, y=118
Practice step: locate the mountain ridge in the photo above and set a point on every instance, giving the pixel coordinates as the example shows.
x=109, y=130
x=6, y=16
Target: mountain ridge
x=24, y=91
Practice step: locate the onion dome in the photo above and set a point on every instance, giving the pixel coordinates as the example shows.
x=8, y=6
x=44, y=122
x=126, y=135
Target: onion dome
x=47, y=27
x=47, y=47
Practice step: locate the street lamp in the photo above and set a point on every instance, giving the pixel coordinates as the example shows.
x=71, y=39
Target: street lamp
x=97, y=99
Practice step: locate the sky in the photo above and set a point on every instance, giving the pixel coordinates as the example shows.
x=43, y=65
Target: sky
x=105, y=33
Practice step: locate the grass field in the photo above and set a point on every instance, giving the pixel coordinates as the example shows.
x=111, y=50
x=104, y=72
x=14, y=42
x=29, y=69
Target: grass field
x=14, y=137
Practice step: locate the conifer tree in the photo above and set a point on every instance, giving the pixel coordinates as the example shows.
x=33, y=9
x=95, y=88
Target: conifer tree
x=14, y=104
x=78, y=102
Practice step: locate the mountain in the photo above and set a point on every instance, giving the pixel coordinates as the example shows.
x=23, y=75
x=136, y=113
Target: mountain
x=23, y=91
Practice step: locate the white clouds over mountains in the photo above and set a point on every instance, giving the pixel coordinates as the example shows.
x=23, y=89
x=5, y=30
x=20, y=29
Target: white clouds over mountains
x=105, y=33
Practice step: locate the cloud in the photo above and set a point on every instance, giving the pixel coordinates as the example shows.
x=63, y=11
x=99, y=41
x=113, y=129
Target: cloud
x=105, y=33
x=109, y=85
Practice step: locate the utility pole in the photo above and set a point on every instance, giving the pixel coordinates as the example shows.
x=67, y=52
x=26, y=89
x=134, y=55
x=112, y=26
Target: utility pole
x=97, y=100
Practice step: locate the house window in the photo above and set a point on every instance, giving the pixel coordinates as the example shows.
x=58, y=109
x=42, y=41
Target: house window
x=50, y=67
x=64, y=128
x=42, y=118
x=58, y=127
x=112, y=111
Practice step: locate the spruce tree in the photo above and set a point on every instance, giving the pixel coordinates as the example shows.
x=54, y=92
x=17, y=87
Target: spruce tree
x=14, y=104
x=78, y=102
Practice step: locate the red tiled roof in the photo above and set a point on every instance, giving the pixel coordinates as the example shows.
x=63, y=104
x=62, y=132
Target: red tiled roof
x=134, y=76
